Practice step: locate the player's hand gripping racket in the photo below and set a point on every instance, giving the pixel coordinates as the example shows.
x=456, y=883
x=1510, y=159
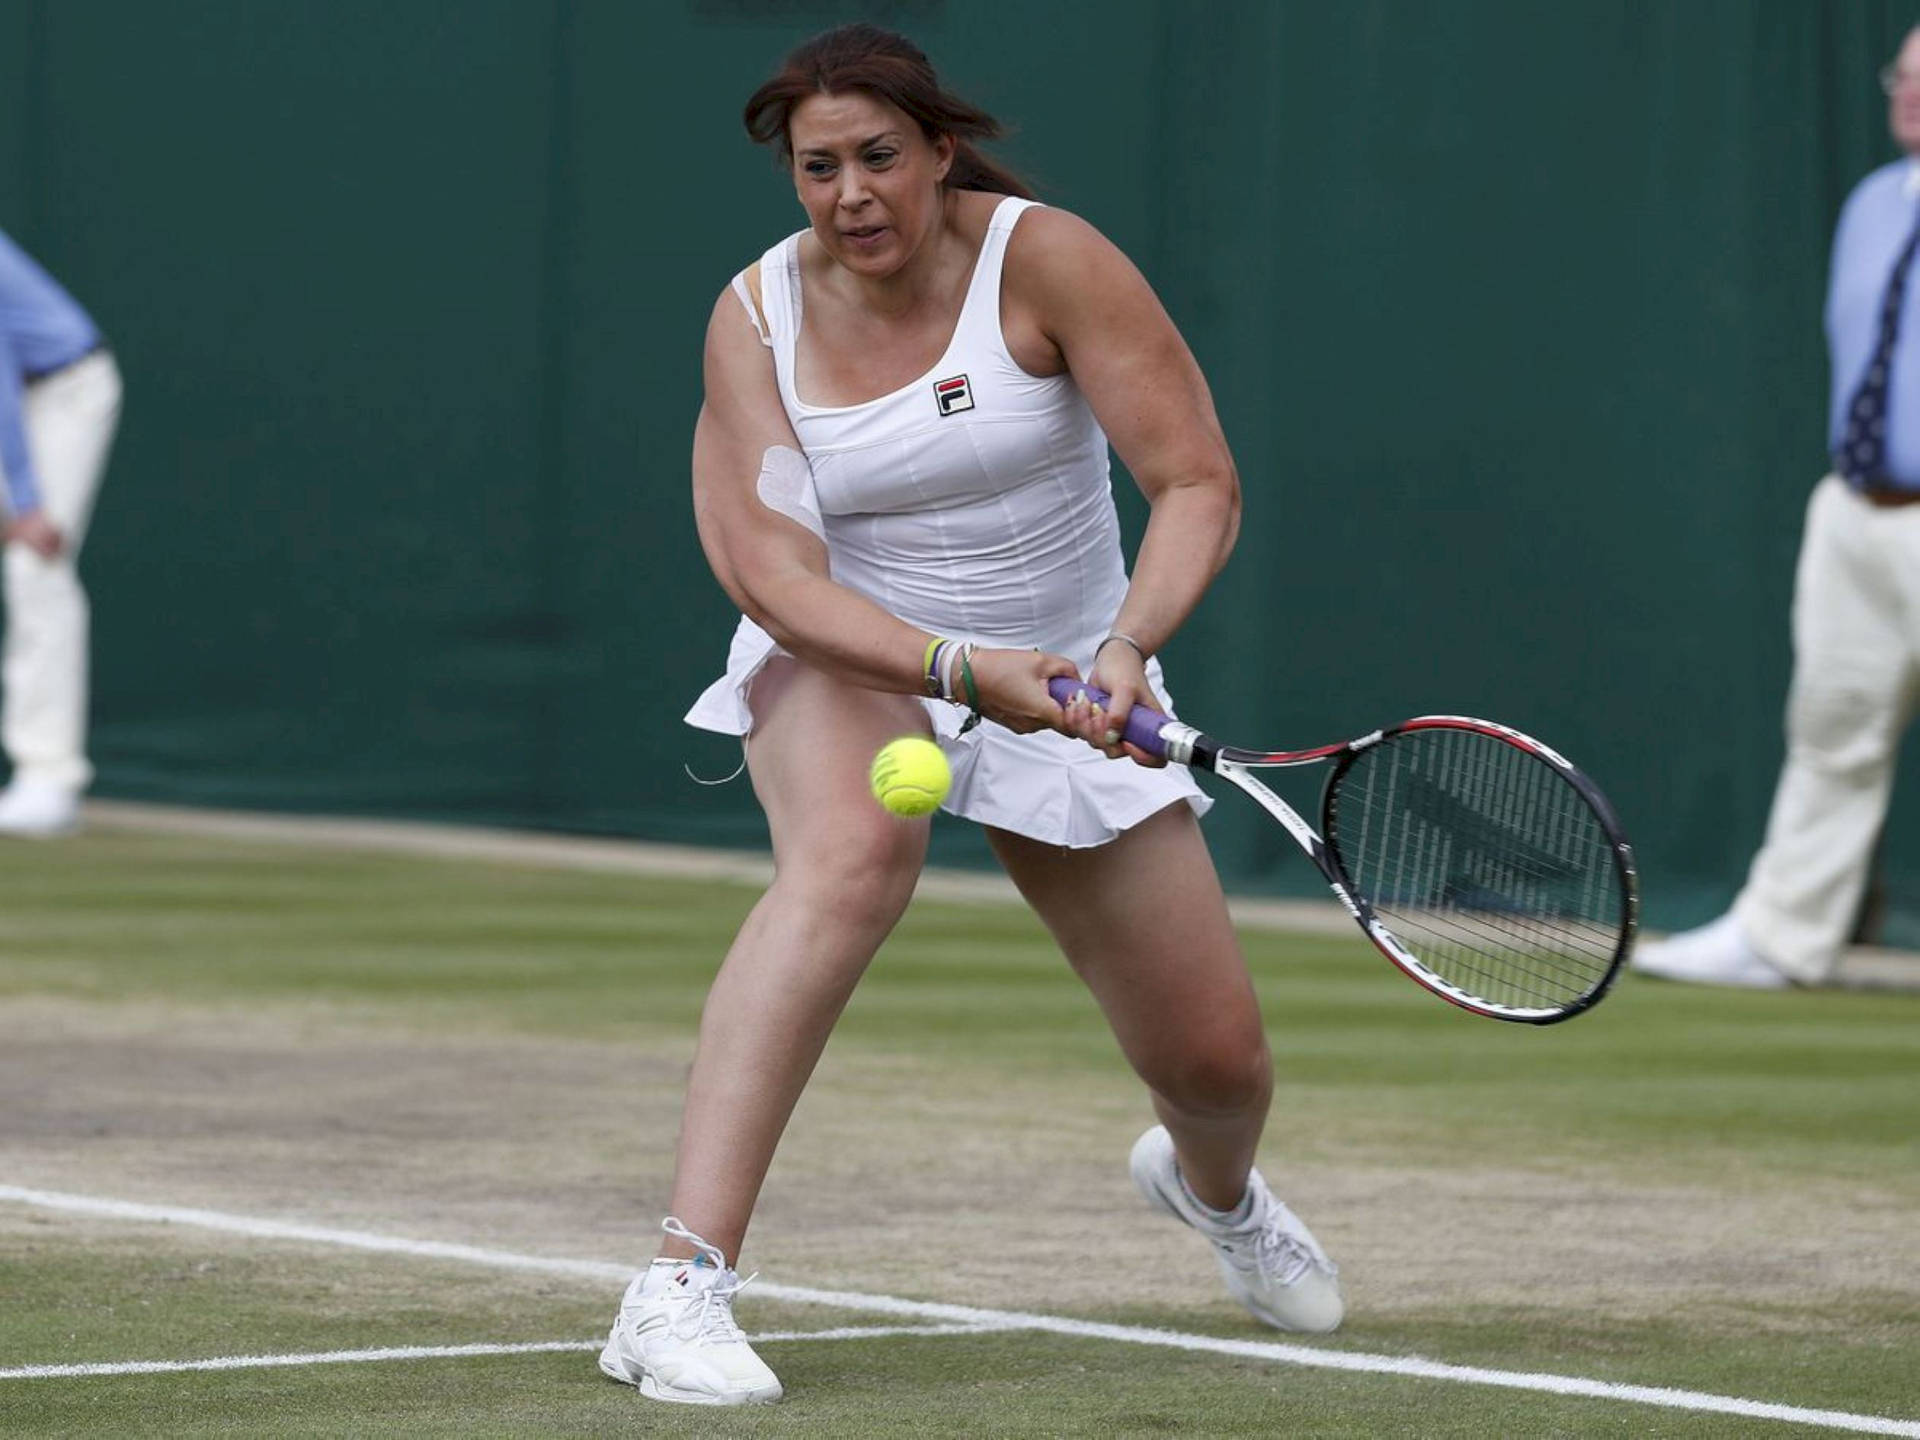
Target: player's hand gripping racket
x=1479, y=861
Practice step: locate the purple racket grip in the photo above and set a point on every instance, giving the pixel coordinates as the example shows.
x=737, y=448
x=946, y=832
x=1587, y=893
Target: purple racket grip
x=1143, y=725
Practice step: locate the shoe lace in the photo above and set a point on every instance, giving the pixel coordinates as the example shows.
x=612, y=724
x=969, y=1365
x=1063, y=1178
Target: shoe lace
x=1280, y=1254
x=706, y=1318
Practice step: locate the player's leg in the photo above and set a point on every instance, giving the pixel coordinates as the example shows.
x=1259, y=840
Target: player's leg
x=1144, y=923
x=844, y=870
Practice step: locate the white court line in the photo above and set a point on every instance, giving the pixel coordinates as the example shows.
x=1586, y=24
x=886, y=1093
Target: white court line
x=446, y=1352
x=1301, y=1355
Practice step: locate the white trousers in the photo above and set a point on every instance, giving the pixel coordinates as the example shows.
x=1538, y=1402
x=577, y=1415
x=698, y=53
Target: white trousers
x=70, y=418
x=1856, y=667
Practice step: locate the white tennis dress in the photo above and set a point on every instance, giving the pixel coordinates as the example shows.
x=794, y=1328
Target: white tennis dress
x=973, y=502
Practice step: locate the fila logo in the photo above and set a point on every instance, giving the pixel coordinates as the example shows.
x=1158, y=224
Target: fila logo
x=953, y=395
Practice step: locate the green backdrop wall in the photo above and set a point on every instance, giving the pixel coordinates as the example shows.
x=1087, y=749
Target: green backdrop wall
x=1512, y=312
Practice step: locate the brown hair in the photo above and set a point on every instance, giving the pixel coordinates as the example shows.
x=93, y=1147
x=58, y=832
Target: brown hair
x=888, y=67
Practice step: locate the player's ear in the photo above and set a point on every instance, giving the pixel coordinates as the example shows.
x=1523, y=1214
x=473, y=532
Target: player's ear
x=943, y=153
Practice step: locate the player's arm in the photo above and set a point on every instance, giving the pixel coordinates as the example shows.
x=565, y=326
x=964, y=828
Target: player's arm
x=748, y=475
x=1147, y=391
x=749, y=479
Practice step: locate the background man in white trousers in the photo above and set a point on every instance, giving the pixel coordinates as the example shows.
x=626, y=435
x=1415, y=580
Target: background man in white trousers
x=1856, y=604
x=59, y=406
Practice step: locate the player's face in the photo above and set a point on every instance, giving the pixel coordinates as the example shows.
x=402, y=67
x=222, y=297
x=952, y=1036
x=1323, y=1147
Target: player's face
x=1903, y=106
x=870, y=181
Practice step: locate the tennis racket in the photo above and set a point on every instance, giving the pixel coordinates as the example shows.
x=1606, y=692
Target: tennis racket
x=1480, y=862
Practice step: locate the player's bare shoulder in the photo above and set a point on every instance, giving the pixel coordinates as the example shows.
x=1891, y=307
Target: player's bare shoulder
x=738, y=358
x=1051, y=247
x=1062, y=274
x=740, y=380
x=739, y=312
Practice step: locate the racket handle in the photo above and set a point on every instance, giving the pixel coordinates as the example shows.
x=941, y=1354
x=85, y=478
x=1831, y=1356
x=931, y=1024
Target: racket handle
x=1143, y=725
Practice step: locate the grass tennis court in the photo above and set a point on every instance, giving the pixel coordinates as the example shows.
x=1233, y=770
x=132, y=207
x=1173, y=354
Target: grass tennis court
x=1698, y=1189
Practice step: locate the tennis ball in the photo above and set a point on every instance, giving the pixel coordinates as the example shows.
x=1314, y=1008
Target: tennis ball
x=910, y=776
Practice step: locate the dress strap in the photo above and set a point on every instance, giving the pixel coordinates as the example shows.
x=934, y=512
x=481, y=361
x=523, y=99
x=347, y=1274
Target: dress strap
x=745, y=292
x=981, y=317
x=780, y=300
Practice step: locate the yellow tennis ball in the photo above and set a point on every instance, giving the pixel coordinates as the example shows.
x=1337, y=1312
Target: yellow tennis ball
x=910, y=776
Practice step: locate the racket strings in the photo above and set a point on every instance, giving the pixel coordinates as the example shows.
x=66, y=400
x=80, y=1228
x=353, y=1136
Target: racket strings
x=1485, y=861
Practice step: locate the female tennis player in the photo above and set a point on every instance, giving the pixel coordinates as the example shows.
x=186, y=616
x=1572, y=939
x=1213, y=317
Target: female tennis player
x=900, y=476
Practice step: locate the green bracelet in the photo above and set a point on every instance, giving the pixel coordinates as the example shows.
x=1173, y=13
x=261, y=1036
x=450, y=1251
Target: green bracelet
x=973, y=691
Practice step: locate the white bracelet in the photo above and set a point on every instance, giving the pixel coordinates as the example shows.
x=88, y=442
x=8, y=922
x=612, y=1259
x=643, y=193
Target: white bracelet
x=1125, y=640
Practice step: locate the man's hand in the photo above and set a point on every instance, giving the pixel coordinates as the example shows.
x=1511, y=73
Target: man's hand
x=36, y=532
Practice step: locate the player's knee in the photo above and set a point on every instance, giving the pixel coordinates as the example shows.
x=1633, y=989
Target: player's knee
x=1222, y=1077
x=868, y=867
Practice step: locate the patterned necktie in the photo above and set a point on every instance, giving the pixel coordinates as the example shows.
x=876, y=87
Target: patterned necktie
x=1863, y=445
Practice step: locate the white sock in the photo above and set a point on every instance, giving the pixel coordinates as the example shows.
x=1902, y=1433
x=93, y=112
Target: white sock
x=1225, y=1219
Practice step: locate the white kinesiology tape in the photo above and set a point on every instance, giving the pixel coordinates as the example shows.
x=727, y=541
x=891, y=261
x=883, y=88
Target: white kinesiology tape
x=786, y=488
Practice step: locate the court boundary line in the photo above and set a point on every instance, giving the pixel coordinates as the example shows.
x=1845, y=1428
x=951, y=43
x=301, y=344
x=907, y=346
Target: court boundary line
x=1304, y=1356
x=101, y=1368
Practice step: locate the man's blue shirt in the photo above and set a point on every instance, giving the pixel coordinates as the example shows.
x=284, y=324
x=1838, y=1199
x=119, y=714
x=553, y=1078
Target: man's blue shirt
x=41, y=330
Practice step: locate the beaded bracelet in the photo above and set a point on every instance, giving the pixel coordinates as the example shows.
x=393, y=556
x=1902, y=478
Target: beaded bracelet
x=949, y=657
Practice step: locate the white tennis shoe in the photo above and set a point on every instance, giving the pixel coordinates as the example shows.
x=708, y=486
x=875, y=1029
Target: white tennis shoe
x=1715, y=954
x=675, y=1337
x=37, y=809
x=1270, y=1260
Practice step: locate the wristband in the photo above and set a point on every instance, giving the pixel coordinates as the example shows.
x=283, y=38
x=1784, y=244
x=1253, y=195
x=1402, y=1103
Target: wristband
x=929, y=663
